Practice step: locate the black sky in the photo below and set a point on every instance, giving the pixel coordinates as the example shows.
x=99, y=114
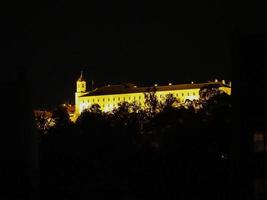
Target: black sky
x=130, y=41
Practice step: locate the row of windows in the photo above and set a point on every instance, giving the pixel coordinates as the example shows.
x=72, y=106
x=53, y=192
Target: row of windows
x=129, y=98
x=103, y=106
x=108, y=99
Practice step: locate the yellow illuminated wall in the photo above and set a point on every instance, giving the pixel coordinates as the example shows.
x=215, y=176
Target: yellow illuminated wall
x=109, y=102
x=227, y=90
x=80, y=90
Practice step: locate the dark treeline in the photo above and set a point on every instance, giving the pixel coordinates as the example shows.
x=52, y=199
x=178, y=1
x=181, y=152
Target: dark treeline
x=164, y=152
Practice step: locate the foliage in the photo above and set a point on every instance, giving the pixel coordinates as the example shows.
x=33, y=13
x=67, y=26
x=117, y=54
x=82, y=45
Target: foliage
x=43, y=121
x=61, y=117
x=141, y=152
x=170, y=101
x=209, y=91
x=151, y=101
x=95, y=108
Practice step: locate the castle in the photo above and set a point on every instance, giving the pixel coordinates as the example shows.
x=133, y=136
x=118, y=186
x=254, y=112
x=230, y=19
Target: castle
x=108, y=97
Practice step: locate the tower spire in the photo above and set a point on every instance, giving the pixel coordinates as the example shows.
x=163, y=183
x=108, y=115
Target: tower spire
x=81, y=76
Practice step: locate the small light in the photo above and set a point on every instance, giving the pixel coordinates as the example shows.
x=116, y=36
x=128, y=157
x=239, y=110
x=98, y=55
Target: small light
x=170, y=83
x=156, y=84
x=192, y=82
x=223, y=156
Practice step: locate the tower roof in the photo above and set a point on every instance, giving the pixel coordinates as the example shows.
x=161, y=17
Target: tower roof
x=81, y=78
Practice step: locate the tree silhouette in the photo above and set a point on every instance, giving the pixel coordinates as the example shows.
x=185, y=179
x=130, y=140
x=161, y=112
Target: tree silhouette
x=95, y=108
x=152, y=104
x=169, y=102
x=43, y=121
x=61, y=117
x=142, y=152
x=208, y=91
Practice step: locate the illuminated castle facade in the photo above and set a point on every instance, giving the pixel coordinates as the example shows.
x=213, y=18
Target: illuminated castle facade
x=108, y=97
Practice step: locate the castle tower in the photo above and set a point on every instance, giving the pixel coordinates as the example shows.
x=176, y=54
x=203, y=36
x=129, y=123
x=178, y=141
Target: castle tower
x=81, y=84
x=80, y=90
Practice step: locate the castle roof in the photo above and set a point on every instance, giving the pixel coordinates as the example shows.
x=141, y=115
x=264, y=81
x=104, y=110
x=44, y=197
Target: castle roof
x=131, y=88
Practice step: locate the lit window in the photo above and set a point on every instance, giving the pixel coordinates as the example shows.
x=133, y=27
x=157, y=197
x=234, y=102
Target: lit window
x=259, y=142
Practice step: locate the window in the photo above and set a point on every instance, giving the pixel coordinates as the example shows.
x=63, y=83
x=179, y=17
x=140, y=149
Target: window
x=188, y=94
x=134, y=98
x=108, y=99
x=259, y=141
x=98, y=100
x=194, y=93
x=114, y=99
x=123, y=98
x=182, y=94
x=103, y=99
x=129, y=98
x=139, y=97
x=93, y=100
x=177, y=94
x=119, y=98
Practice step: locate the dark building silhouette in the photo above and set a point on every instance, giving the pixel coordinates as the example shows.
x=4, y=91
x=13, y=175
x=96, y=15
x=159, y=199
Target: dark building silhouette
x=249, y=91
x=19, y=150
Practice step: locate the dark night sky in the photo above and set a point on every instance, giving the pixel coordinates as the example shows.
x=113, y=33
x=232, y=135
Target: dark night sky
x=116, y=42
